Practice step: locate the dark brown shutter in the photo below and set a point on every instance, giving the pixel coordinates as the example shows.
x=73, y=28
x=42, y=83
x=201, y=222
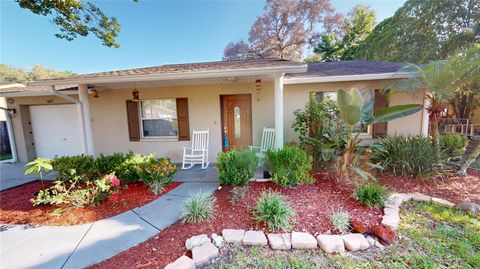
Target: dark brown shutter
x=381, y=101
x=319, y=96
x=133, y=120
x=182, y=119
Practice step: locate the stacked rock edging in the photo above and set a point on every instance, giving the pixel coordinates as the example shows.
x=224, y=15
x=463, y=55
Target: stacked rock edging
x=205, y=249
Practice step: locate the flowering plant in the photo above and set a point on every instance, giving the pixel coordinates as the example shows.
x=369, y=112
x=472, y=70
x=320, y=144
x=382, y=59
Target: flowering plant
x=157, y=171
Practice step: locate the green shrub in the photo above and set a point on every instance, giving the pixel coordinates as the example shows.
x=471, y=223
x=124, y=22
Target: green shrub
x=413, y=156
x=82, y=166
x=107, y=164
x=78, y=192
x=125, y=166
x=272, y=209
x=289, y=166
x=453, y=146
x=157, y=171
x=371, y=194
x=340, y=221
x=236, y=167
x=198, y=208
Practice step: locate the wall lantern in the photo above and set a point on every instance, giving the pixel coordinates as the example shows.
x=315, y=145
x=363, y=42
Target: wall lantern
x=135, y=95
x=94, y=93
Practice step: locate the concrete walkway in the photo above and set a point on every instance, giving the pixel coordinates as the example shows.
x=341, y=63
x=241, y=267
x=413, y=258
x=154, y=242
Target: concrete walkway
x=83, y=245
x=12, y=175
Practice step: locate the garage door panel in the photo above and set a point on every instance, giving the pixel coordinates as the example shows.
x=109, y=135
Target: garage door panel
x=56, y=130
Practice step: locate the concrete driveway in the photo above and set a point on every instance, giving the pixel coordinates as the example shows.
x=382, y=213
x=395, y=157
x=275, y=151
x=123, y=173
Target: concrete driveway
x=12, y=175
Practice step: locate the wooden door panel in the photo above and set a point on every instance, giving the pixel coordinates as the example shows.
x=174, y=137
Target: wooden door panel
x=237, y=120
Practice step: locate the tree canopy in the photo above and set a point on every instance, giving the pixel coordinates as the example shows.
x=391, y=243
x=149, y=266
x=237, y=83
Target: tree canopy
x=284, y=29
x=76, y=18
x=355, y=28
x=423, y=30
x=13, y=74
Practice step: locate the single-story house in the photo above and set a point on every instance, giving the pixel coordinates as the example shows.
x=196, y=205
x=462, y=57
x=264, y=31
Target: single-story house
x=155, y=109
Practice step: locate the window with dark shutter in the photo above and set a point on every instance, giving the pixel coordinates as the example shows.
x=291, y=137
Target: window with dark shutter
x=132, y=118
x=182, y=119
x=381, y=101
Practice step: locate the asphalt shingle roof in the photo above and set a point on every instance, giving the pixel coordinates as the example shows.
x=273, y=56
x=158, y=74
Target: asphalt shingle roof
x=346, y=68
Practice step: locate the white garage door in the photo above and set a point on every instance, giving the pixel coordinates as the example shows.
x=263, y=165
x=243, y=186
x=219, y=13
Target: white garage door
x=56, y=130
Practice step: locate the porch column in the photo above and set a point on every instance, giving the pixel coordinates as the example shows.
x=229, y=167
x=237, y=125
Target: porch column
x=86, y=117
x=278, y=85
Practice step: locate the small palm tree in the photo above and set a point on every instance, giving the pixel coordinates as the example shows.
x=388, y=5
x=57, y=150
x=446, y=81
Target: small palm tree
x=436, y=80
x=39, y=166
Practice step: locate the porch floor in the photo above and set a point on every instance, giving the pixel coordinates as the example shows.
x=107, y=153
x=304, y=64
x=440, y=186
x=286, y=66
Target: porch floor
x=196, y=174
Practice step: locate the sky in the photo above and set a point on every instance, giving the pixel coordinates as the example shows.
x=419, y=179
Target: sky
x=152, y=33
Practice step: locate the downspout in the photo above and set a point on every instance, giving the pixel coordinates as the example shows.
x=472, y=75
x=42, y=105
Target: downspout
x=80, y=113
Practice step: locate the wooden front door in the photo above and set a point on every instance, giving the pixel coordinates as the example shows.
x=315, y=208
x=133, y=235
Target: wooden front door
x=236, y=121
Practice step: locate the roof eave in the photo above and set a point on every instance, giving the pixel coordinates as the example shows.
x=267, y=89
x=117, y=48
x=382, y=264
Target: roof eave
x=174, y=76
x=34, y=94
x=320, y=79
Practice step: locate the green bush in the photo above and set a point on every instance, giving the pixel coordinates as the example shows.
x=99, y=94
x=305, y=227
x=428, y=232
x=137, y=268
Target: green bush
x=198, y=208
x=453, y=146
x=107, y=164
x=340, y=221
x=236, y=167
x=289, y=166
x=413, y=156
x=157, y=172
x=371, y=194
x=125, y=166
x=272, y=209
x=82, y=166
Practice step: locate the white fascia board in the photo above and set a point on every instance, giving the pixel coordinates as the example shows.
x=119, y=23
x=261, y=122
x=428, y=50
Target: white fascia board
x=33, y=94
x=304, y=80
x=174, y=76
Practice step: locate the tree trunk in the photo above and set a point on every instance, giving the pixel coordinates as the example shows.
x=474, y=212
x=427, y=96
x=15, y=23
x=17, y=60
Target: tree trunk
x=471, y=158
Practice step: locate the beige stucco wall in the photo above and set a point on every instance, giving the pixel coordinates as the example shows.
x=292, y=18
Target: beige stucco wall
x=109, y=119
x=111, y=134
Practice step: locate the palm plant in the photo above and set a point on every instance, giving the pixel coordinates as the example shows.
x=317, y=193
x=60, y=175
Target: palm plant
x=355, y=109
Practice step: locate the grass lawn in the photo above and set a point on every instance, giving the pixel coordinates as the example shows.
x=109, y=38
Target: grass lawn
x=429, y=236
x=476, y=164
x=5, y=156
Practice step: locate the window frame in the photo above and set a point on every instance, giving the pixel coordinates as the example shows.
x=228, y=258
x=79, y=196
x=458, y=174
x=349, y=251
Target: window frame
x=141, y=119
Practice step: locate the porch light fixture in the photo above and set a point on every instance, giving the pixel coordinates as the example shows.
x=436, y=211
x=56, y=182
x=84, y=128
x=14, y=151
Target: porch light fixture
x=94, y=93
x=135, y=94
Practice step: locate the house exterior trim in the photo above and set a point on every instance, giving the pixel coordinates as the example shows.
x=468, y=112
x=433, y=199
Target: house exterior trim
x=317, y=79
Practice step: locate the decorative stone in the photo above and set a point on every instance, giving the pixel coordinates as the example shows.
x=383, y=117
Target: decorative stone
x=355, y=242
x=196, y=241
x=401, y=197
x=391, y=221
x=203, y=254
x=233, y=236
x=443, y=202
x=331, y=243
x=421, y=198
x=254, y=238
x=383, y=233
x=303, y=241
x=469, y=207
x=358, y=226
x=390, y=211
x=183, y=262
x=371, y=241
x=217, y=240
x=280, y=241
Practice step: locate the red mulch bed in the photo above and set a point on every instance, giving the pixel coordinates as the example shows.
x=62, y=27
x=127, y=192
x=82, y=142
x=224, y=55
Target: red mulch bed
x=16, y=208
x=453, y=188
x=313, y=205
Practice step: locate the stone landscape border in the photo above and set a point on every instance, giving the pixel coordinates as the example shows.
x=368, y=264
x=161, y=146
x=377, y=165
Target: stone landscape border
x=205, y=249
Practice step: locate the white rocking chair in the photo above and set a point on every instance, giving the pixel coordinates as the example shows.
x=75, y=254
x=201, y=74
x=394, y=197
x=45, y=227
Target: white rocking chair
x=198, y=153
x=268, y=143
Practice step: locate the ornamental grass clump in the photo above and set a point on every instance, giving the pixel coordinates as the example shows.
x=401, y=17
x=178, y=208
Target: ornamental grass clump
x=413, y=156
x=272, y=210
x=340, y=221
x=371, y=194
x=198, y=208
x=453, y=146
